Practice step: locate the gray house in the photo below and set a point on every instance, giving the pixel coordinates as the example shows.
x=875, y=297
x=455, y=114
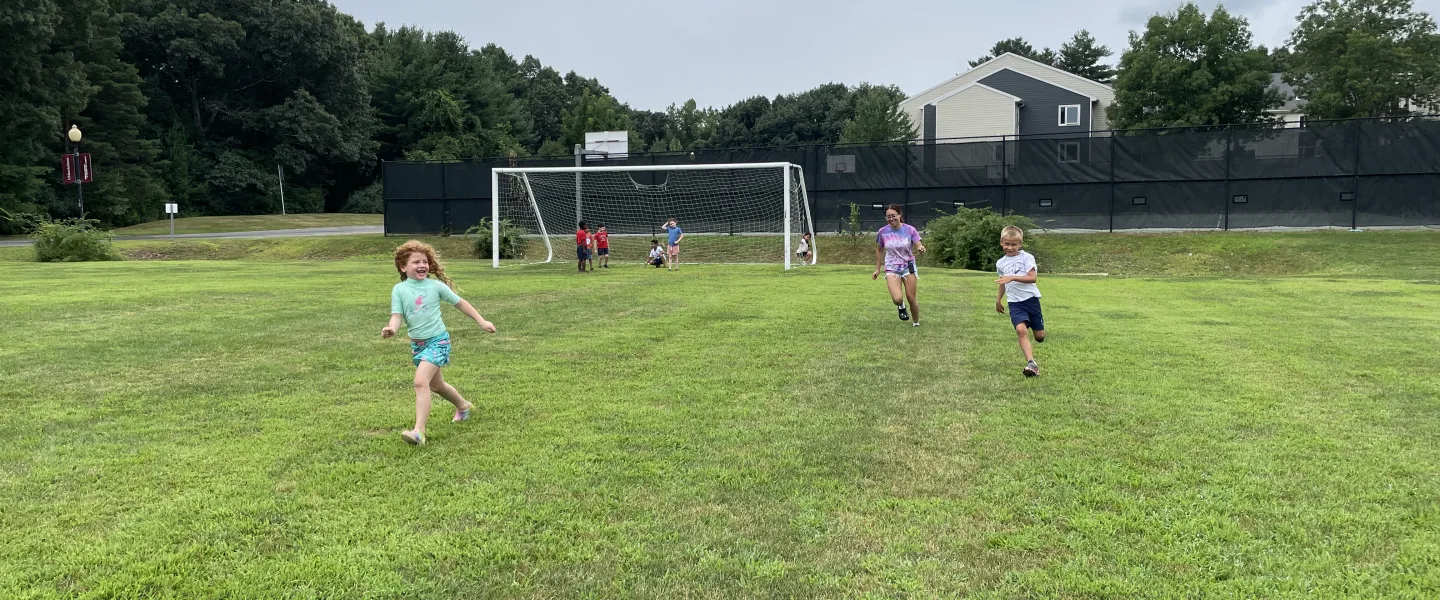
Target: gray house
x=1010, y=95
x=1292, y=112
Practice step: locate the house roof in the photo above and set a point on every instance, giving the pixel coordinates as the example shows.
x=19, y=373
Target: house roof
x=1022, y=58
x=1287, y=91
x=974, y=85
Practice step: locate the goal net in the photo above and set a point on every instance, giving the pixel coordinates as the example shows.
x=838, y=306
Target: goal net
x=729, y=213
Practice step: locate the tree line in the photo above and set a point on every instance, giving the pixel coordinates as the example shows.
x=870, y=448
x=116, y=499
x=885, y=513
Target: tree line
x=205, y=102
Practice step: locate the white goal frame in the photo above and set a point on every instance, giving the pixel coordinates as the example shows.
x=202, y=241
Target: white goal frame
x=786, y=167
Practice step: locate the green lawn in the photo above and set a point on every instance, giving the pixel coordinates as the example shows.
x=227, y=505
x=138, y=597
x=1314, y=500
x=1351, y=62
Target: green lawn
x=251, y=223
x=1399, y=254
x=230, y=429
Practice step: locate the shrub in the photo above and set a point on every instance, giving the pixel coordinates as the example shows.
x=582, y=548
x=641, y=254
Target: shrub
x=852, y=230
x=303, y=201
x=72, y=240
x=970, y=238
x=367, y=200
x=512, y=239
x=22, y=223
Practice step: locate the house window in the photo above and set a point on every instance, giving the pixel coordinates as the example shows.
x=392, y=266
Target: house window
x=998, y=155
x=1047, y=202
x=1069, y=152
x=1069, y=115
x=1137, y=200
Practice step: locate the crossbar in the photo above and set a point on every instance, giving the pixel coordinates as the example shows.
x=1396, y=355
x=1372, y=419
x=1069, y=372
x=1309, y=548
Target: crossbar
x=774, y=165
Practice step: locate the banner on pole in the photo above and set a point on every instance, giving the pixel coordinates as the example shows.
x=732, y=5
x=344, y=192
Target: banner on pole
x=67, y=169
x=86, y=174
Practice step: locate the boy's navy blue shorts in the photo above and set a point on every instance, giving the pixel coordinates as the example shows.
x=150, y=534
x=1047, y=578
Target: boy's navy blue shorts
x=1027, y=311
x=582, y=252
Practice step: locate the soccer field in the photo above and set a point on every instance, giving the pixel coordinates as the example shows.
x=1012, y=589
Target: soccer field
x=230, y=429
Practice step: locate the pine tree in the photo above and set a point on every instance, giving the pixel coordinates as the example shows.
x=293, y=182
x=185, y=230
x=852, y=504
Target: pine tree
x=1019, y=46
x=1082, y=55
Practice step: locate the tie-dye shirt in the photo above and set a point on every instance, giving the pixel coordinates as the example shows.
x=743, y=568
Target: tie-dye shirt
x=418, y=300
x=897, y=244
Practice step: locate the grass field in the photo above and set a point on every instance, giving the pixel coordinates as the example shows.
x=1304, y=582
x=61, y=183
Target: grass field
x=1371, y=253
x=230, y=429
x=251, y=223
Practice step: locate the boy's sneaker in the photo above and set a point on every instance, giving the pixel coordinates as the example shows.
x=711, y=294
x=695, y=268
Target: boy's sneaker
x=916, y=324
x=904, y=315
x=1031, y=369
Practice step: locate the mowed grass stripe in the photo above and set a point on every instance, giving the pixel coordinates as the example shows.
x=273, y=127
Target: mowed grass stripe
x=203, y=429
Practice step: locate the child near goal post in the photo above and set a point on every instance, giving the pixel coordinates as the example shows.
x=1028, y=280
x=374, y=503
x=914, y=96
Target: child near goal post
x=674, y=234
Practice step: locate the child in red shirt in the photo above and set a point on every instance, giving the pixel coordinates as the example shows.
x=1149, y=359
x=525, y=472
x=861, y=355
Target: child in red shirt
x=582, y=245
x=602, y=247
x=589, y=249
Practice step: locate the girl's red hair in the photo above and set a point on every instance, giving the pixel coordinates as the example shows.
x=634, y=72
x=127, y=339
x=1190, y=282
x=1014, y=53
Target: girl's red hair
x=437, y=270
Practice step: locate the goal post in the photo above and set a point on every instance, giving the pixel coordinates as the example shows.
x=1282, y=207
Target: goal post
x=728, y=213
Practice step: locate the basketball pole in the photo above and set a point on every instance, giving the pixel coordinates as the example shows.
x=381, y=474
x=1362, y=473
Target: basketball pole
x=580, y=153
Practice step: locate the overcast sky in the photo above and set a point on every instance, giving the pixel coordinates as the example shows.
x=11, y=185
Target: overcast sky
x=651, y=53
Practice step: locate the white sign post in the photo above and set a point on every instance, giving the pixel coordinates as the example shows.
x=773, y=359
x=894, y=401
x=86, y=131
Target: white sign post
x=170, y=209
x=280, y=175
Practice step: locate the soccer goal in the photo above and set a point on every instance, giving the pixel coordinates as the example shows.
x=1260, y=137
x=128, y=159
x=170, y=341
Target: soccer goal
x=729, y=213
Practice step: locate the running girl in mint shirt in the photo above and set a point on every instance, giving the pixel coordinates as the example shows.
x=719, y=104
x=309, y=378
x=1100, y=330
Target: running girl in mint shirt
x=894, y=257
x=416, y=301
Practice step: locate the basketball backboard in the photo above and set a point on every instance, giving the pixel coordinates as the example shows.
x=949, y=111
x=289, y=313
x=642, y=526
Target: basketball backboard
x=613, y=144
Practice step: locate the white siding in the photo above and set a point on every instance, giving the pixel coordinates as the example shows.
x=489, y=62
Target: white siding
x=1102, y=117
x=975, y=112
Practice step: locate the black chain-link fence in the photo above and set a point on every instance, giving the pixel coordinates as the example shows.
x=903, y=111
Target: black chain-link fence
x=1357, y=173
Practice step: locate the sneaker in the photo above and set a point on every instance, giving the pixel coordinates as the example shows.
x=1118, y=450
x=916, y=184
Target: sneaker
x=904, y=314
x=916, y=324
x=463, y=415
x=416, y=439
x=1031, y=369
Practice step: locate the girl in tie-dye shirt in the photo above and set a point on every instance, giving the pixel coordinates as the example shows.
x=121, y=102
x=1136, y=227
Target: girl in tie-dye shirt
x=895, y=247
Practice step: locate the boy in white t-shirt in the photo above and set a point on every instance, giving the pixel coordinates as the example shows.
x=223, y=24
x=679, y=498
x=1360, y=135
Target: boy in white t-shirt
x=804, y=250
x=1017, y=286
x=657, y=256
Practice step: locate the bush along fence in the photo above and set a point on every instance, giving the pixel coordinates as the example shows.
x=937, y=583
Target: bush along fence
x=1352, y=173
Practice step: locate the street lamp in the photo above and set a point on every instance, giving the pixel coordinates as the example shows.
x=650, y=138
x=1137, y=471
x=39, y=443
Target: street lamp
x=74, y=135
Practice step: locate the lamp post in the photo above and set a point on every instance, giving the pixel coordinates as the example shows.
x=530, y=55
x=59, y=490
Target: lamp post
x=74, y=135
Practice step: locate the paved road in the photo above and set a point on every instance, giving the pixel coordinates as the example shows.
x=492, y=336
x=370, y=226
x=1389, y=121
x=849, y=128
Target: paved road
x=276, y=233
